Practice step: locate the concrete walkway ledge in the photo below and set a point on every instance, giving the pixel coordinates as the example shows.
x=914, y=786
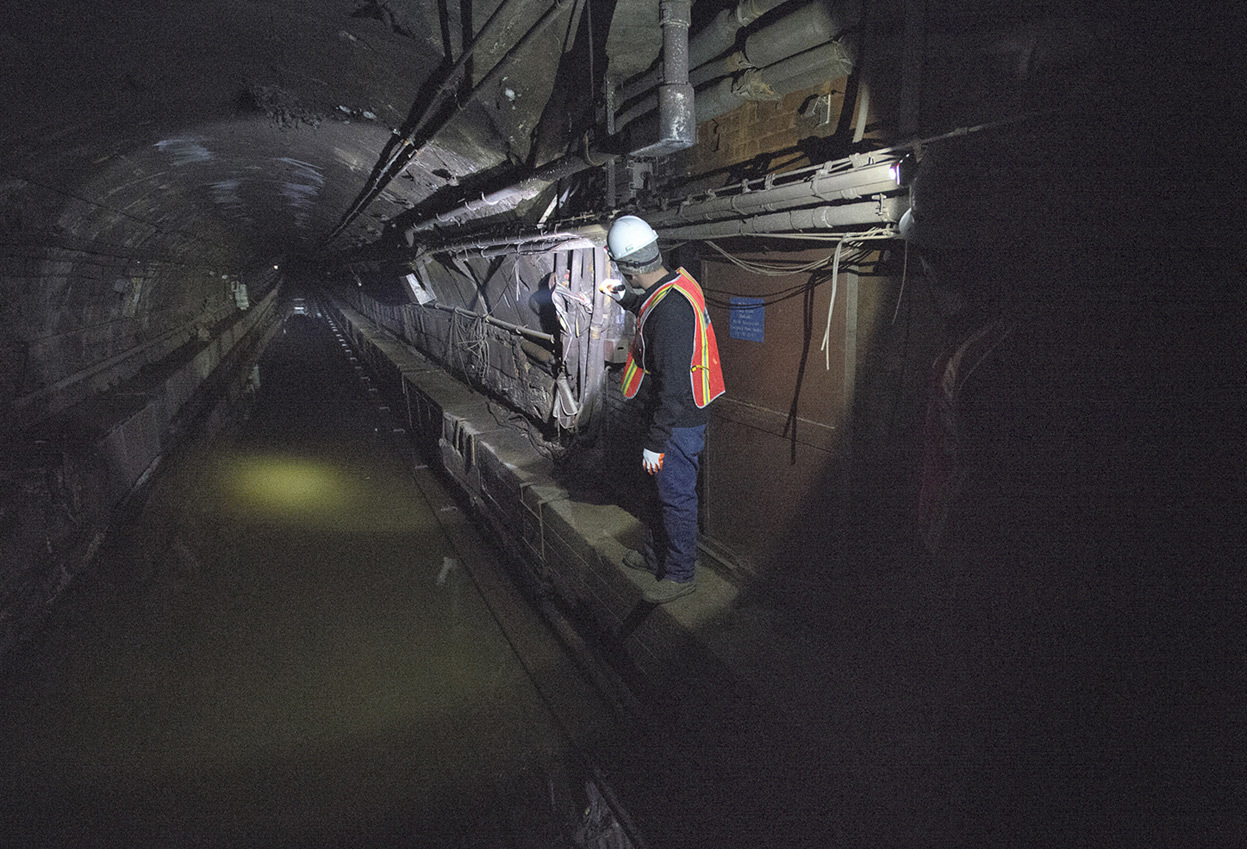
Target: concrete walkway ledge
x=572, y=548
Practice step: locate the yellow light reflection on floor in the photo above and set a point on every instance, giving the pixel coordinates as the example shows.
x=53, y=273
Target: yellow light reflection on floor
x=287, y=484
x=288, y=489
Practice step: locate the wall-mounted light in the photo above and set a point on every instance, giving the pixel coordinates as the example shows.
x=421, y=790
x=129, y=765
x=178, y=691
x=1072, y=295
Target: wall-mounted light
x=903, y=170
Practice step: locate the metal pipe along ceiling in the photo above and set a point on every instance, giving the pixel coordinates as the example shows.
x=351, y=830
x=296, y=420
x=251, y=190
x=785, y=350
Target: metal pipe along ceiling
x=793, y=53
x=813, y=202
x=505, y=199
x=677, y=129
x=725, y=213
x=875, y=212
x=405, y=150
x=807, y=27
x=716, y=38
x=871, y=179
x=826, y=62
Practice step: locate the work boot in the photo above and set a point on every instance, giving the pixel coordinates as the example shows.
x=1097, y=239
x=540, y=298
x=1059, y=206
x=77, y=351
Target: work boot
x=667, y=590
x=636, y=560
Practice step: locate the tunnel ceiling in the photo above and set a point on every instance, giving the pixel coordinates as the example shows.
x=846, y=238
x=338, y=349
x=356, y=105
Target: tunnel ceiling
x=238, y=131
x=229, y=133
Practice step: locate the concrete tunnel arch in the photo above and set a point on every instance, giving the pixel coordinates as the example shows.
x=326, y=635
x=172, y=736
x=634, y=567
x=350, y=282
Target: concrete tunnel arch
x=156, y=156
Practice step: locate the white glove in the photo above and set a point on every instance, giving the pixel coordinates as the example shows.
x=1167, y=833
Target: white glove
x=613, y=289
x=651, y=461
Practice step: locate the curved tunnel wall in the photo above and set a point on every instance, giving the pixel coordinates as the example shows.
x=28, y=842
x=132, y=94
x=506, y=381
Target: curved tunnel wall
x=157, y=162
x=150, y=149
x=113, y=347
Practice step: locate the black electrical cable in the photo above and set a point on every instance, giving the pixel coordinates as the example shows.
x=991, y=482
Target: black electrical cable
x=783, y=294
x=900, y=378
x=807, y=333
x=518, y=421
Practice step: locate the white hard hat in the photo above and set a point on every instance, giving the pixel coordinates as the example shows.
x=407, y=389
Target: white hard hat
x=631, y=241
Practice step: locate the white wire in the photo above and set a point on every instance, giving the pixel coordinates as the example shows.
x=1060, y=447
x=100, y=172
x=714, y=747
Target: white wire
x=769, y=269
x=904, y=275
x=852, y=239
x=835, y=277
x=780, y=270
x=888, y=232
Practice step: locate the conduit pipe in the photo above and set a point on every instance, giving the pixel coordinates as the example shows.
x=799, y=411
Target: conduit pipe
x=588, y=234
x=518, y=329
x=505, y=199
x=713, y=40
x=858, y=176
x=678, y=124
x=872, y=179
x=383, y=176
x=807, y=27
x=882, y=211
x=828, y=62
x=405, y=151
x=513, y=248
x=799, y=45
x=825, y=62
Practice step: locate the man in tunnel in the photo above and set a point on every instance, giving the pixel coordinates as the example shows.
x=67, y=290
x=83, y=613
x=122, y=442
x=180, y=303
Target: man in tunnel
x=674, y=338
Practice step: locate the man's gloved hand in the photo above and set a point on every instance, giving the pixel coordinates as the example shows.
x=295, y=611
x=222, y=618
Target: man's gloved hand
x=652, y=461
x=613, y=289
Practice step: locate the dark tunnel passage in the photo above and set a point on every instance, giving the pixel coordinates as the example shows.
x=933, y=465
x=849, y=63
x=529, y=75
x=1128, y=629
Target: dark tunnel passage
x=282, y=649
x=320, y=475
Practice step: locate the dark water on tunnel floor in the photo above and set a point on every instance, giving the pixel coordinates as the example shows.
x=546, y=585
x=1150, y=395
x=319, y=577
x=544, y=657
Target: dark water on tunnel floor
x=281, y=650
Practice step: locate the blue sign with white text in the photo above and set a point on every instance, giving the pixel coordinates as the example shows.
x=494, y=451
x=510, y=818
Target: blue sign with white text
x=747, y=319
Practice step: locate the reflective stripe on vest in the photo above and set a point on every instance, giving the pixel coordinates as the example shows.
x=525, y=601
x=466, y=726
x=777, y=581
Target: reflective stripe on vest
x=705, y=373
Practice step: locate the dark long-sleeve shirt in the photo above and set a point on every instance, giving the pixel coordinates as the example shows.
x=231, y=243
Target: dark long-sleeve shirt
x=668, y=388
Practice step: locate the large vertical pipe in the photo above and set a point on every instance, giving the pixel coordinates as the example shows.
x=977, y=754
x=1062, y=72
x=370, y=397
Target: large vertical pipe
x=677, y=121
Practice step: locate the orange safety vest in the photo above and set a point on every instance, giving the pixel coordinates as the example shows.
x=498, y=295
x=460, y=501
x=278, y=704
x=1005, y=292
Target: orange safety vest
x=705, y=373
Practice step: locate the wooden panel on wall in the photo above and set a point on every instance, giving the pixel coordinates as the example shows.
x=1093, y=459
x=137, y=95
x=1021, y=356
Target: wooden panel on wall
x=778, y=438
x=768, y=374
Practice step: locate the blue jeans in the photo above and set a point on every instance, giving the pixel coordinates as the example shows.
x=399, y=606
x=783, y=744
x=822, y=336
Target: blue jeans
x=671, y=529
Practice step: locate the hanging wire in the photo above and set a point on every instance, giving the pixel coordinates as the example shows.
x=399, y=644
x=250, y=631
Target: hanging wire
x=839, y=257
x=769, y=269
x=831, y=304
x=901, y=296
x=519, y=422
x=835, y=260
x=783, y=269
x=854, y=258
x=472, y=350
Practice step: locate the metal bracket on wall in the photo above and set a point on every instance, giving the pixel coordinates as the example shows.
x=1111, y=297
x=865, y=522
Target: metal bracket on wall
x=640, y=175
